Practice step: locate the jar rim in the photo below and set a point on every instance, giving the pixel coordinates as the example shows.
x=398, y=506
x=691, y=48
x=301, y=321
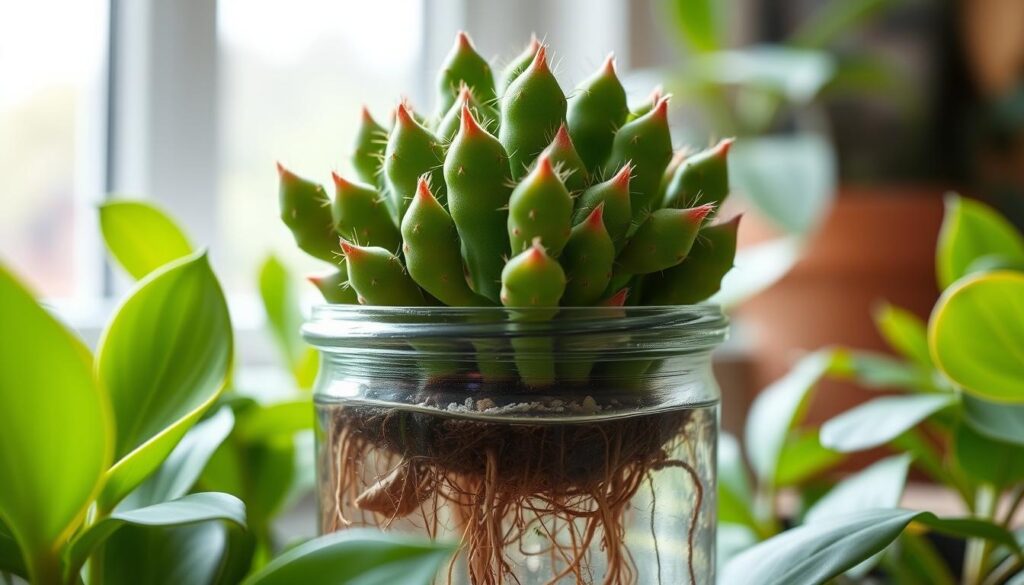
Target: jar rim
x=682, y=328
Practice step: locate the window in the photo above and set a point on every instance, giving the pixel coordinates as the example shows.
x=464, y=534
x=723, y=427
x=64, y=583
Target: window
x=52, y=160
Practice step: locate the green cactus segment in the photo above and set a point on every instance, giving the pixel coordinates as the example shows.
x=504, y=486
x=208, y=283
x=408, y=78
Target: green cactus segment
x=540, y=207
x=533, y=280
x=368, y=155
x=614, y=195
x=306, y=210
x=516, y=67
x=379, y=278
x=464, y=65
x=411, y=152
x=595, y=112
x=587, y=259
x=361, y=215
x=663, y=241
x=567, y=161
x=334, y=286
x=700, y=275
x=532, y=109
x=432, y=252
x=477, y=173
x=652, y=100
x=701, y=178
x=645, y=142
x=448, y=127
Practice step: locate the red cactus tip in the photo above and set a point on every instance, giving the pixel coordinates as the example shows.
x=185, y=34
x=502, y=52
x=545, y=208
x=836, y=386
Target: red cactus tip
x=621, y=178
x=315, y=279
x=562, y=136
x=661, y=108
x=468, y=125
x=544, y=167
x=340, y=183
x=465, y=93
x=596, y=217
x=608, y=68
x=656, y=94
x=366, y=116
x=350, y=250
x=697, y=214
x=540, y=59
x=723, y=146
x=616, y=300
x=423, y=187
x=285, y=174
x=463, y=42
x=536, y=253
x=402, y=114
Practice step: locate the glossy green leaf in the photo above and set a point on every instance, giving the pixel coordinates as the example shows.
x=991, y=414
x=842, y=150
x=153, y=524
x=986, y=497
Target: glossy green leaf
x=140, y=236
x=797, y=75
x=831, y=20
x=281, y=418
x=876, y=371
x=356, y=556
x=791, y=179
x=281, y=304
x=1003, y=422
x=56, y=428
x=182, y=468
x=905, y=332
x=818, y=552
x=173, y=555
x=878, y=486
x=164, y=359
x=756, y=268
x=971, y=230
x=881, y=420
x=804, y=457
x=775, y=411
x=189, y=509
x=699, y=23
x=976, y=335
x=988, y=460
x=731, y=540
x=11, y=560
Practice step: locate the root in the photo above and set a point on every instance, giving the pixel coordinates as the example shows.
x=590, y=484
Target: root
x=554, y=491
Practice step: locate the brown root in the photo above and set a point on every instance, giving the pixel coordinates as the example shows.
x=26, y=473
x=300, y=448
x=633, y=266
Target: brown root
x=493, y=484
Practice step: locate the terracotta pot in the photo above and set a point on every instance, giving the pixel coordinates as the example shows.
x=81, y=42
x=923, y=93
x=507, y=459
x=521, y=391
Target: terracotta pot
x=877, y=245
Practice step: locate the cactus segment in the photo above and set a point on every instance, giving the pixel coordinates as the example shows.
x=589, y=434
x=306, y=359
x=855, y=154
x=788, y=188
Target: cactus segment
x=532, y=109
x=700, y=275
x=379, y=278
x=516, y=67
x=701, y=178
x=448, y=127
x=595, y=112
x=588, y=259
x=464, y=65
x=663, y=241
x=534, y=280
x=306, y=210
x=361, y=215
x=652, y=100
x=614, y=194
x=476, y=171
x=540, y=207
x=368, y=154
x=334, y=286
x=432, y=254
x=412, y=150
x=647, y=143
x=567, y=161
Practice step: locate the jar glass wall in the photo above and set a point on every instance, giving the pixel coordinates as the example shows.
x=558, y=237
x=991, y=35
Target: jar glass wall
x=572, y=449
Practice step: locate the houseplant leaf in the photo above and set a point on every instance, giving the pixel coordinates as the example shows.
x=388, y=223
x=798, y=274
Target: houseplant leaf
x=988, y=460
x=776, y=409
x=881, y=420
x=194, y=553
x=343, y=557
x=11, y=560
x=972, y=230
x=976, y=335
x=877, y=486
x=180, y=471
x=56, y=428
x=165, y=358
x=905, y=333
x=815, y=553
x=699, y=23
x=189, y=509
x=835, y=18
x=140, y=236
x=803, y=456
x=876, y=371
x=1004, y=422
x=280, y=418
x=281, y=304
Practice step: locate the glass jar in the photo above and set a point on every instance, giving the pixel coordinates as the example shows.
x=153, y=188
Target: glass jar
x=578, y=448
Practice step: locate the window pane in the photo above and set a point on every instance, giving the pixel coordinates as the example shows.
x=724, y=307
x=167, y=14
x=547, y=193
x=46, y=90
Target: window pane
x=293, y=78
x=51, y=80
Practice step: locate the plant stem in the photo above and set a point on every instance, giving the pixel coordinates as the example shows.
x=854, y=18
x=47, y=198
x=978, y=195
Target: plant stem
x=978, y=548
x=1015, y=502
x=1004, y=571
